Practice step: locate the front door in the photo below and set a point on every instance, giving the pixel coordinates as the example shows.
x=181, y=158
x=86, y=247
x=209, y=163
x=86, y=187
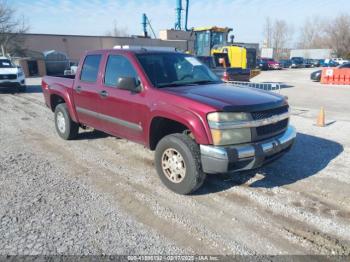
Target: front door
x=122, y=111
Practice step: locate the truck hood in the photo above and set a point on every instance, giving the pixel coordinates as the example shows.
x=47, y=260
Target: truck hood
x=8, y=71
x=230, y=98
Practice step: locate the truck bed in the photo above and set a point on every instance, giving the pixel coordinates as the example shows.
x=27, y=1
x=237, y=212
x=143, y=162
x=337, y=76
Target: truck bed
x=58, y=85
x=62, y=80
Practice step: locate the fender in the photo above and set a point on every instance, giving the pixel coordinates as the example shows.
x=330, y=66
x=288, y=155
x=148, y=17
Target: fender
x=63, y=92
x=193, y=121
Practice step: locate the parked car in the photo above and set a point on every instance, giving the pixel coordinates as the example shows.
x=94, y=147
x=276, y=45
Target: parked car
x=316, y=76
x=11, y=76
x=321, y=61
x=315, y=62
x=308, y=63
x=225, y=73
x=262, y=64
x=285, y=63
x=173, y=104
x=272, y=64
x=330, y=63
x=345, y=65
x=340, y=61
x=297, y=62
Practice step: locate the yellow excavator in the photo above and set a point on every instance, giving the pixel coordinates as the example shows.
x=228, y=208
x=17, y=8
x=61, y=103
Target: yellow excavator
x=212, y=41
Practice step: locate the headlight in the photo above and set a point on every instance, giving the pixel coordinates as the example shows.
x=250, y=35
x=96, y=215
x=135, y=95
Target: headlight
x=228, y=117
x=20, y=73
x=223, y=136
x=231, y=136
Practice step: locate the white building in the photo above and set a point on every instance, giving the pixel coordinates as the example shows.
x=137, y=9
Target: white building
x=312, y=53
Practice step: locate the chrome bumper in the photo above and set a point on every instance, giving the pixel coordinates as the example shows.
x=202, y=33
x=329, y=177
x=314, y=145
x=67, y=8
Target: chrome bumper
x=244, y=157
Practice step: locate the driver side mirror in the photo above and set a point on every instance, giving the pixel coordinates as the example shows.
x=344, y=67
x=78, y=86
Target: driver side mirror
x=129, y=83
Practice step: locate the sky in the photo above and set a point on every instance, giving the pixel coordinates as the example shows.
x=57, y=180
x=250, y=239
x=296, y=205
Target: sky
x=96, y=17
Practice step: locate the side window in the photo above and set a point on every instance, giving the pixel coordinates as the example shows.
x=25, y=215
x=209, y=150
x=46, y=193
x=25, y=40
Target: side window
x=118, y=66
x=89, y=71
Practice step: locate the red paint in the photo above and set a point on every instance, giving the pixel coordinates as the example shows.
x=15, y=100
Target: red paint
x=188, y=105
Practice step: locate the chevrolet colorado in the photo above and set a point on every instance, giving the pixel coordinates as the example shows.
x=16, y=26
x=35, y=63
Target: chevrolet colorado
x=173, y=104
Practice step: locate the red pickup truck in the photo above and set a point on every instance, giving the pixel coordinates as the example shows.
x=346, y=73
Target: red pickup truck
x=173, y=104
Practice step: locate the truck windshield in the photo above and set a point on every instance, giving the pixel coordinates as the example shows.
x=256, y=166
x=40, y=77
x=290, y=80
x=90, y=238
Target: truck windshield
x=5, y=63
x=175, y=69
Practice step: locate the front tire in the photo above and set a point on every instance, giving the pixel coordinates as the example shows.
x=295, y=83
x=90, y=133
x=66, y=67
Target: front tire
x=65, y=126
x=178, y=163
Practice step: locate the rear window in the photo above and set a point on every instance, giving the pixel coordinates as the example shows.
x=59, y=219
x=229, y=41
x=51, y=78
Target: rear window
x=90, y=68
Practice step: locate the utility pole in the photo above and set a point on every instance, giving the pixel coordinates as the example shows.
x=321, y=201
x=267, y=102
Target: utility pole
x=2, y=50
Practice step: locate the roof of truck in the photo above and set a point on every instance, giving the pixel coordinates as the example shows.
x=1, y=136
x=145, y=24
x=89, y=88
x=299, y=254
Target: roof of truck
x=133, y=50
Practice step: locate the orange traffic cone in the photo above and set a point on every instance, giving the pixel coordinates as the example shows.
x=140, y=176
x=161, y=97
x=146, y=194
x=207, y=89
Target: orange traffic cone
x=321, y=120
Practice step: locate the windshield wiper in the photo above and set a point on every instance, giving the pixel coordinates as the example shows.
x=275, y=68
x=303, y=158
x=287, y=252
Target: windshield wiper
x=171, y=85
x=204, y=82
x=200, y=82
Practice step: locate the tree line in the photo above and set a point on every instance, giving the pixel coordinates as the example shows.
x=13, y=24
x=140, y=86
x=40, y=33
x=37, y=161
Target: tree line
x=316, y=32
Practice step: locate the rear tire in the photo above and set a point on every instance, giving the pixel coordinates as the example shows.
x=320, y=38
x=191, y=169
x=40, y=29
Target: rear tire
x=178, y=163
x=65, y=126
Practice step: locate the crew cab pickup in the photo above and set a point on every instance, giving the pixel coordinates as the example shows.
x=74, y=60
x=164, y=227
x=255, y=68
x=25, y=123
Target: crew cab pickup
x=171, y=103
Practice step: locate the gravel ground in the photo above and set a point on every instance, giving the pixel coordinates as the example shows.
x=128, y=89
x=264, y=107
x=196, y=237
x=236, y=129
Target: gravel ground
x=101, y=195
x=43, y=212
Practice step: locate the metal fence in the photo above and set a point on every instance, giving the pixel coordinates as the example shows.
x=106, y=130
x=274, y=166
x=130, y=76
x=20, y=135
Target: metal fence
x=272, y=87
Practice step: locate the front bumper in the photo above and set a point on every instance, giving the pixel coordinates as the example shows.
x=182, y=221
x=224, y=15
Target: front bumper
x=277, y=67
x=13, y=83
x=225, y=159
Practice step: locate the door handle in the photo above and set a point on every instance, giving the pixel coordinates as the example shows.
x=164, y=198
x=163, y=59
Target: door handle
x=78, y=89
x=103, y=93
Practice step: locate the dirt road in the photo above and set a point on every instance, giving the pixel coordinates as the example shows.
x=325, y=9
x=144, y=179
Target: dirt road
x=298, y=205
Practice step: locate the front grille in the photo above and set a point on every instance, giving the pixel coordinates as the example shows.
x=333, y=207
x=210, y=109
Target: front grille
x=9, y=77
x=272, y=128
x=270, y=112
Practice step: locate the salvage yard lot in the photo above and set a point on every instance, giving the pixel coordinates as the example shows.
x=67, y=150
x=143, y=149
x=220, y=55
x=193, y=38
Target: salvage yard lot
x=101, y=195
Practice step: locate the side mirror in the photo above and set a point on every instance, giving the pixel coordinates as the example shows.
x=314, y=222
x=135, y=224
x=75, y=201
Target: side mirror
x=129, y=83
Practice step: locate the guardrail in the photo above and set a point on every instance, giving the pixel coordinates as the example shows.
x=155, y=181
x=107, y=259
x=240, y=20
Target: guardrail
x=272, y=87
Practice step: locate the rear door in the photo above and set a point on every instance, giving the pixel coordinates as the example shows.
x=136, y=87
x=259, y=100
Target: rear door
x=123, y=113
x=85, y=93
